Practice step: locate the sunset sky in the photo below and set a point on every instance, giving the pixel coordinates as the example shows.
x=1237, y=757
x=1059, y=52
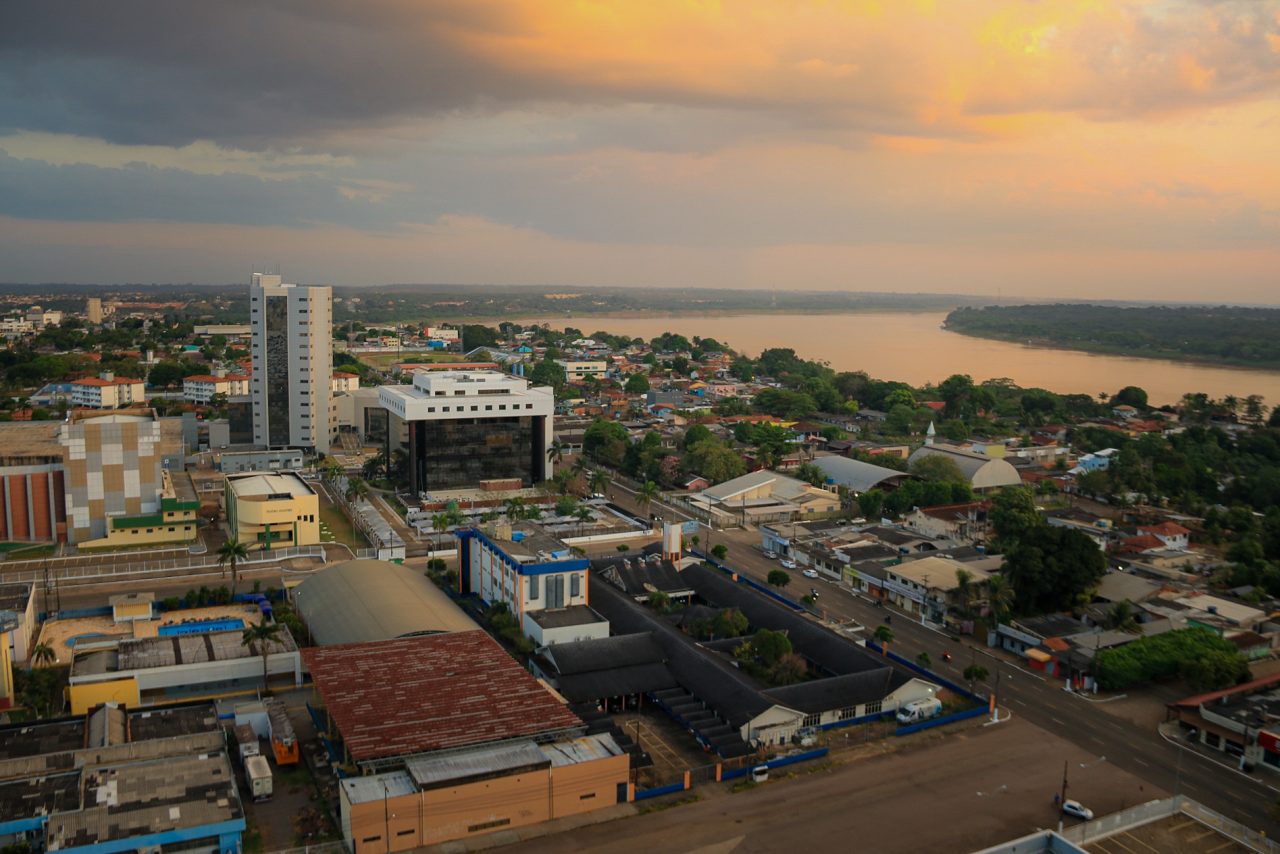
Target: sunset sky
x=1122, y=149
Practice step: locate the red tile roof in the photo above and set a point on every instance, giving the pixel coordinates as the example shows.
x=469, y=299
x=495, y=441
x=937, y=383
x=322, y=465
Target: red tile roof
x=415, y=695
x=343, y=375
x=1141, y=543
x=99, y=382
x=1167, y=529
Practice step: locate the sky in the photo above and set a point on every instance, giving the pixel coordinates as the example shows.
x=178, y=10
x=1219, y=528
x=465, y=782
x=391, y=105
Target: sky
x=1074, y=148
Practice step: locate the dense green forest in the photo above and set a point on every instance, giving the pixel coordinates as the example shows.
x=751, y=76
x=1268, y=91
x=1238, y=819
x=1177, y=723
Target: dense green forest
x=1224, y=334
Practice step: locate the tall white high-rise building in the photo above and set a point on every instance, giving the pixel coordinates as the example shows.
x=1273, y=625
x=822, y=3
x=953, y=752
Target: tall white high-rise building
x=292, y=364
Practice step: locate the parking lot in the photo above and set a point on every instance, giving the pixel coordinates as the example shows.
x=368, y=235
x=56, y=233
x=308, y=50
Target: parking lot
x=672, y=749
x=1176, y=833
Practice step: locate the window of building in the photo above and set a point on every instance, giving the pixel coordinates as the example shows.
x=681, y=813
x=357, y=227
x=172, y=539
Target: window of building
x=475, y=409
x=871, y=708
x=812, y=720
x=431, y=409
x=532, y=589
x=587, y=797
x=488, y=407
x=172, y=530
x=488, y=825
x=848, y=712
x=444, y=409
x=459, y=393
x=369, y=839
x=575, y=585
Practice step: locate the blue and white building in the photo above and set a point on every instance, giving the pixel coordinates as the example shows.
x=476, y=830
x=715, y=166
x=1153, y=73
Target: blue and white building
x=537, y=576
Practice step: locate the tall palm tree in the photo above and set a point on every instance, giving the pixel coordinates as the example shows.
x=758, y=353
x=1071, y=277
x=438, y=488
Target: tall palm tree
x=514, y=508
x=357, y=488
x=231, y=553
x=646, y=495
x=599, y=481
x=555, y=452
x=583, y=515
x=964, y=590
x=262, y=634
x=42, y=655
x=580, y=465
x=999, y=597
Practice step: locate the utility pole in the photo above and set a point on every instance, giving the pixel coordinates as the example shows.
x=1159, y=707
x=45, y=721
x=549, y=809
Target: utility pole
x=1063, y=799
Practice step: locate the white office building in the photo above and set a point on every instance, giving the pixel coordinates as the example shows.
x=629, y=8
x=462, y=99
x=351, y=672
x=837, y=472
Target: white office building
x=467, y=427
x=292, y=364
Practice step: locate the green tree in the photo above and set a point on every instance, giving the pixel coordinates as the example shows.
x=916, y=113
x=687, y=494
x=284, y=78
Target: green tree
x=883, y=636
x=810, y=473
x=719, y=551
x=975, y=673
x=924, y=660
x=1052, y=568
x=1214, y=670
x=729, y=623
x=936, y=467
x=695, y=434
x=789, y=669
x=599, y=481
x=1130, y=395
x=1013, y=514
x=769, y=646
x=1000, y=595
x=549, y=372
x=262, y=635
x=964, y=591
x=779, y=578
x=870, y=503
x=606, y=442
x=659, y=601
x=637, y=383
x=555, y=452
x=230, y=553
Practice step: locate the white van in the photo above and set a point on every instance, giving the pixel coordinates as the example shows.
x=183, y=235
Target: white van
x=919, y=710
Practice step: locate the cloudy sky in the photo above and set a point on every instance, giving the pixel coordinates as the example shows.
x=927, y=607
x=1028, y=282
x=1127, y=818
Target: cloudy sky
x=1093, y=148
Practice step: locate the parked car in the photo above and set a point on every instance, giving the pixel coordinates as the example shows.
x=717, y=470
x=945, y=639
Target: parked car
x=810, y=573
x=788, y=563
x=771, y=555
x=1077, y=809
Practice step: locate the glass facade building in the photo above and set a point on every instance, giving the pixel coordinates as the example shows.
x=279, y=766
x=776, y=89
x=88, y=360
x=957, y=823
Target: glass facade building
x=463, y=452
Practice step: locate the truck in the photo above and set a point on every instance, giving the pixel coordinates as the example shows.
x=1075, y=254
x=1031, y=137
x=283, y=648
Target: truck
x=919, y=710
x=284, y=743
x=257, y=777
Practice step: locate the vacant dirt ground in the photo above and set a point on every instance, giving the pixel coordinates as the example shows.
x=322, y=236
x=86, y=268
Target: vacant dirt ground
x=962, y=793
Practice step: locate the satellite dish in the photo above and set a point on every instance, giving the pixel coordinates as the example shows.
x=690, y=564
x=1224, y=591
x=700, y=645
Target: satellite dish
x=650, y=588
x=9, y=621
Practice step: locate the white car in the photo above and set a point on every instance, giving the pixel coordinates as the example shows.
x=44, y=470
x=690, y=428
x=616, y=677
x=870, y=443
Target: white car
x=1077, y=809
x=787, y=563
x=810, y=573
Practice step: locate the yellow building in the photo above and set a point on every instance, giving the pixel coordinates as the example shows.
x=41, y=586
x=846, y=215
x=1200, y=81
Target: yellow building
x=275, y=510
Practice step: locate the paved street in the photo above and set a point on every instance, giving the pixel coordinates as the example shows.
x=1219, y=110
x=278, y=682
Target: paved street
x=1248, y=799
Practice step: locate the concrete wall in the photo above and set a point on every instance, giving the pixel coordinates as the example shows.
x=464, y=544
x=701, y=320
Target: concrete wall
x=501, y=803
x=85, y=697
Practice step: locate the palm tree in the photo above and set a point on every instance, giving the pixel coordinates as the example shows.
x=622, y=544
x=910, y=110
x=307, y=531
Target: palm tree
x=964, y=590
x=262, y=634
x=514, y=508
x=999, y=597
x=1121, y=618
x=580, y=466
x=646, y=495
x=356, y=488
x=599, y=481
x=583, y=515
x=232, y=552
x=555, y=452
x=42, y=655
x=884, y=636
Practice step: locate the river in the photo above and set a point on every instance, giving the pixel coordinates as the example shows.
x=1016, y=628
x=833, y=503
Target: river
x=914, y=348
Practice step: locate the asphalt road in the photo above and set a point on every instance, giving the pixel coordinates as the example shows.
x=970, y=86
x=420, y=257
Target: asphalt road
x=1247, y=798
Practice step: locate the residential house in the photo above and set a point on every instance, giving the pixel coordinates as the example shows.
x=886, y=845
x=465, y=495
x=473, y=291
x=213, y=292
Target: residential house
x=960, y=523
x=107, y=392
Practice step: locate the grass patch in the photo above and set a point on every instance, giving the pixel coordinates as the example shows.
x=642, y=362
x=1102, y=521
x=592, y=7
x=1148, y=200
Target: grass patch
x=665, y=804
x=36, y=551
x=335, y=527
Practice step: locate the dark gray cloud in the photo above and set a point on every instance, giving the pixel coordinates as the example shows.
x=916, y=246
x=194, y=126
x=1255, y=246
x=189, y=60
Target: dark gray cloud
x=234, y=71
x=33, y=189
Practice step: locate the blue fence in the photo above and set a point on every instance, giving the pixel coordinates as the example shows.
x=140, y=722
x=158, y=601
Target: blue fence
x=942, y=721
x=643, y=794
x=780, y=762
x=929, y=674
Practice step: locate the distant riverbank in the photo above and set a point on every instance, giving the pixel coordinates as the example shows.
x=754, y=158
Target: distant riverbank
x=913, y=347
x=1223, y=335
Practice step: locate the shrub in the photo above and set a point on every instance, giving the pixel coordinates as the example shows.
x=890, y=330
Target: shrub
x=1168, y=655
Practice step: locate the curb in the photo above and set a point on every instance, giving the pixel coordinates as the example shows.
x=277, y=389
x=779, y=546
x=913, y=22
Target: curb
x=1232, y=768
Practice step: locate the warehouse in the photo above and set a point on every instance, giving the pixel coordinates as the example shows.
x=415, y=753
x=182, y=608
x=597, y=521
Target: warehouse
x=120, y=780
x=371, y=600
x=457, y=740
x=149, y=670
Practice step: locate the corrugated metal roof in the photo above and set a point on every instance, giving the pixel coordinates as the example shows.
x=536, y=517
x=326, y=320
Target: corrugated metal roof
x=431, y=771
x=420, y=694
x=372, y=600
